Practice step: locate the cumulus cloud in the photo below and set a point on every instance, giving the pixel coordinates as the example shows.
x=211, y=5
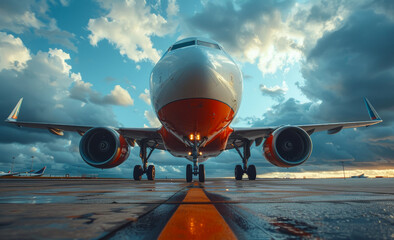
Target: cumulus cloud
x=273, y=34
x=344, y=66
x=262, y=35
x=83, y=91
x=129, y=26
x=20, y=16
x=172, y=8
x=57, y=36
x=17, y=16
x=276, y=92
x=327, y=149
x=343, y=50
x=145, y=96
x=119, y=96
x=341, y=70
x=43, y=83
x=152, y=119
x=14, y=54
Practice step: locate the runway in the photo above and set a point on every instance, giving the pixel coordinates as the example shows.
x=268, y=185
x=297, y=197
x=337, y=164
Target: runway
x=216, y=209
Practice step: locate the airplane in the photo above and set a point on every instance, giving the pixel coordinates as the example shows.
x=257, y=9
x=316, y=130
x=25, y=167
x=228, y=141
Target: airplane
x=31, y=173
x=39, y=173
x=196, y=89
x=359, y=176
x=9, y=173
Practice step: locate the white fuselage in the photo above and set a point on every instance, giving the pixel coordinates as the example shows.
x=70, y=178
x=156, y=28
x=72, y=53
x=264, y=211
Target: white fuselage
x=199, y=73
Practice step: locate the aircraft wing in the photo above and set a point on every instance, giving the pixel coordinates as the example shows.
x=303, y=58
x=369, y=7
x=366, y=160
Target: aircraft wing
x=150, y=135
x=239, y=135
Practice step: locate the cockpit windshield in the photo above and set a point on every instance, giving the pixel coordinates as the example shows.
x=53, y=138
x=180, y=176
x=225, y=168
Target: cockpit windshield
x=190, y=43
x=207, y=44
x=181, y=45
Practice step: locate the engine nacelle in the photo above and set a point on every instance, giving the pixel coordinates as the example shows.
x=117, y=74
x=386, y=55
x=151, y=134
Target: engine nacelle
x=103, y=148
x=288, y=147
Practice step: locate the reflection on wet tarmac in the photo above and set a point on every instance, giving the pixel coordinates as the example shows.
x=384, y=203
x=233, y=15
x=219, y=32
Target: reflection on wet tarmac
x=261, y=209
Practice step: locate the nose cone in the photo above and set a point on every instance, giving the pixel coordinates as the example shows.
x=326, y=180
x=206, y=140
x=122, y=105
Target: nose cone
x=196, y=72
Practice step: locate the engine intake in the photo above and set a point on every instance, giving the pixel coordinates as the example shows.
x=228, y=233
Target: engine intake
x=288, y=147
x=103, y=148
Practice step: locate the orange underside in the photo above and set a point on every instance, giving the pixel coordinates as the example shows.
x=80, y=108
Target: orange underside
x=207, y=117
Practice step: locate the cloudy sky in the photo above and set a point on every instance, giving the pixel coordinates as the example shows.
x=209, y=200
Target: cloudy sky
x=88, y=62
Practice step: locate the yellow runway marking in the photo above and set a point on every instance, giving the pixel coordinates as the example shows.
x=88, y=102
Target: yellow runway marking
x=196, y=221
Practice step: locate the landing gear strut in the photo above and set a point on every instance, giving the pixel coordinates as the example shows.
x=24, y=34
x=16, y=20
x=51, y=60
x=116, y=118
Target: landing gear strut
x=140, y=170
x=241, y=170
x=196, y=169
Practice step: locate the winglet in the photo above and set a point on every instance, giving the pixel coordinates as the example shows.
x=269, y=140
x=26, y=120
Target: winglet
x=371, y=111
x=14, y=114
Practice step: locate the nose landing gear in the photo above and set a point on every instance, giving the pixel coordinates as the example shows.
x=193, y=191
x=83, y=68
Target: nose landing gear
x=196, y=169
x=190, y=172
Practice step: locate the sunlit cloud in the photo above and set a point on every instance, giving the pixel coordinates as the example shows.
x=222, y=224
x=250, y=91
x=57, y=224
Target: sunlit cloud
x=14, y=54
x=145, y=96
x=152, y=119
x=276, y=92
x=129, y=26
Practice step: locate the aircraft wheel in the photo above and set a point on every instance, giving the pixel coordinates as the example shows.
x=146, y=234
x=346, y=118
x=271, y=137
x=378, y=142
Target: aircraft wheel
x=238, y=172
x=189, y=176
x=151, y=172
x=201, y=173
x=137, y=174
x=251, y=172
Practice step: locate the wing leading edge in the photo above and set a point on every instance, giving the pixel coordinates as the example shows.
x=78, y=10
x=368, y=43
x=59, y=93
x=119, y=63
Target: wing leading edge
x=239, y=135
x=133, y=134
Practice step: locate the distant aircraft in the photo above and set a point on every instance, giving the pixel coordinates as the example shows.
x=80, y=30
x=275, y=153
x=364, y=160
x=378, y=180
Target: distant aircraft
x=39, y=173
x=360, y=176
x=196, y=90
x=9, y=173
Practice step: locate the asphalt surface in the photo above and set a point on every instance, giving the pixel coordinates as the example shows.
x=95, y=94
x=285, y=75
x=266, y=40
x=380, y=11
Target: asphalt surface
x=216, y=209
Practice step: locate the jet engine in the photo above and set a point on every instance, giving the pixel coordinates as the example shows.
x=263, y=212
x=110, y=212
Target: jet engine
x=103, y=148
x=288, y=146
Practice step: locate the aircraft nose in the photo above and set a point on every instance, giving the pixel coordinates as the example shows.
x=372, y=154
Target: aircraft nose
x=201, y=73
x=195, y=72
x=197, y=78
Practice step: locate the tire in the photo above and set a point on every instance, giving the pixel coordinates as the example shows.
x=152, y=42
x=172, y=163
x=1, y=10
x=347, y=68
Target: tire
x=137, y=174
x=189, y=176
x=238, y=172
x=151, y=172
x=201, y=173
x=251, y=172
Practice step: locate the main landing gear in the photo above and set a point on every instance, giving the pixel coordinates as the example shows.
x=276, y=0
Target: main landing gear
x=140, y=170
x=196, y=169
x=240, y=170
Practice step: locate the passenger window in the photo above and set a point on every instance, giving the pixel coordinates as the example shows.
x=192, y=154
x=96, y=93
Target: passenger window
x=208, y=44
